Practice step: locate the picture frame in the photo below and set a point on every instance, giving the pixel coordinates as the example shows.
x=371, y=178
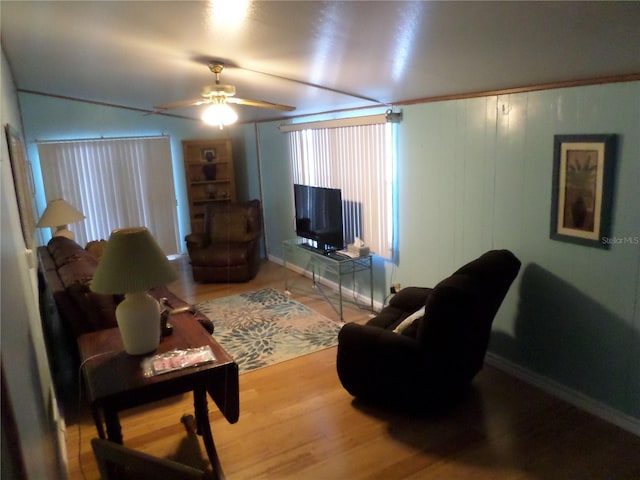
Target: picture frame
x=209, y=154
x=23, y=184
x=582, y=188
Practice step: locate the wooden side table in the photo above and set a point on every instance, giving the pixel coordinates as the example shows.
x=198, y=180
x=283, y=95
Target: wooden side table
x=114, y=380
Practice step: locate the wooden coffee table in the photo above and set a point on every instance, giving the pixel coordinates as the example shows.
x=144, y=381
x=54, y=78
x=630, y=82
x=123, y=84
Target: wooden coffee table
x=114, y=380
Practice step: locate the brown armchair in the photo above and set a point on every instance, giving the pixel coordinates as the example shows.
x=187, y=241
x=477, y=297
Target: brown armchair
x=228, y=250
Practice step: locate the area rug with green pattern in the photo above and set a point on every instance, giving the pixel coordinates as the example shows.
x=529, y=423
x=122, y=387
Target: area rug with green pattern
x=264, y=327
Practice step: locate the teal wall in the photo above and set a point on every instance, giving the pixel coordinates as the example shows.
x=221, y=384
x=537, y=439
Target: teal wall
x=277, y=187
x=473, y=175
x=25, y=368
x=476, y=174
x=48, y=118
x=484, y=170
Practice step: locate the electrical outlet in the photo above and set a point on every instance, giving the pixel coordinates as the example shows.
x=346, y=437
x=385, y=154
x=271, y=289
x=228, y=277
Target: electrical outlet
x=395, y=288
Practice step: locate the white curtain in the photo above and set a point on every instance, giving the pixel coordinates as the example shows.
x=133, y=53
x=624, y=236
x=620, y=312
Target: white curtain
x=360, y=160
x=116, y=183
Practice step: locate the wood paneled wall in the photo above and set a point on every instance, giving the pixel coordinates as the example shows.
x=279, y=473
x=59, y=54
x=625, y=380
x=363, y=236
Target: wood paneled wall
x=475, y=174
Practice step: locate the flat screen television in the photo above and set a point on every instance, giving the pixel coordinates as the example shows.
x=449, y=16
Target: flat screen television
x=319, y=216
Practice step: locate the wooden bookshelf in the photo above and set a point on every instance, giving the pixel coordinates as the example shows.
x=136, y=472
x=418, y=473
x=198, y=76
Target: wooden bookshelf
x=209, y=173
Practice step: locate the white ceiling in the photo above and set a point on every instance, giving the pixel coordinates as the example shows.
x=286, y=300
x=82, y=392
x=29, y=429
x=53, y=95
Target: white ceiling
x=141, y=54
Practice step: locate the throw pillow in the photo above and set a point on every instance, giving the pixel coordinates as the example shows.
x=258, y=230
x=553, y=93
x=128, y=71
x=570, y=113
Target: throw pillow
x=409, y=320
x=96, y=247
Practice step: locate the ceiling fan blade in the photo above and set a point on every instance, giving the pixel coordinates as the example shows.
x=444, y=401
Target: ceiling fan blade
x=221, y=93
x=203, y=59
x=259, y=103
x=183, y=103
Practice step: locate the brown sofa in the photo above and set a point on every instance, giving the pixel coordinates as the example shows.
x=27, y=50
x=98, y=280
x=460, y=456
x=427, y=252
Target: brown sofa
x=228, y=250
x=69, y=308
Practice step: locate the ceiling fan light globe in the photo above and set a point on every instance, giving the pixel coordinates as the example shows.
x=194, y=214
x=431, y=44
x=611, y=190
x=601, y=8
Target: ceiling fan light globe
x=219, y=114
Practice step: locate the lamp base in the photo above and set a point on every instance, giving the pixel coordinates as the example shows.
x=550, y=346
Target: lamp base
x=138, y=317
x=63, y=231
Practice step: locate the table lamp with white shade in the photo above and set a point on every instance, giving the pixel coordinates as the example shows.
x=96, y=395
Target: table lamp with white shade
x=132, y=263
x=59, y=213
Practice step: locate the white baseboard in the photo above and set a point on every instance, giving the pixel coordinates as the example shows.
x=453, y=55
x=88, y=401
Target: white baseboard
x=347, y=293
x=565, y=393
x=273, y=259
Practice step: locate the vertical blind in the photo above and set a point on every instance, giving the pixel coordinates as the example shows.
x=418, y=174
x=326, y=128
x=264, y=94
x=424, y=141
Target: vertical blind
x=116, y=183
x=360, y=161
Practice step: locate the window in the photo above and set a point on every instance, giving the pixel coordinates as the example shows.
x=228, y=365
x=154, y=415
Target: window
x=116, y=183
x=360, y=160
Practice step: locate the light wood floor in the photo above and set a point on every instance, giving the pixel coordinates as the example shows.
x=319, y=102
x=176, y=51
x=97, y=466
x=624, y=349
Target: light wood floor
x=296, y=422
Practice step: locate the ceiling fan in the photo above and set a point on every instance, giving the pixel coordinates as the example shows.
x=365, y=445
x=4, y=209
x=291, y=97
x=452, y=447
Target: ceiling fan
x=218, y=97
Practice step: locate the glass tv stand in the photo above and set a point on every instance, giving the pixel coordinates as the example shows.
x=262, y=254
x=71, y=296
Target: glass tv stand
x=327, y=266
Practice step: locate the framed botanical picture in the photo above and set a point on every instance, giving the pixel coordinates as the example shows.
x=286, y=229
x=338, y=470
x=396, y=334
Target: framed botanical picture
x=582, y=192
x=23, y=184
